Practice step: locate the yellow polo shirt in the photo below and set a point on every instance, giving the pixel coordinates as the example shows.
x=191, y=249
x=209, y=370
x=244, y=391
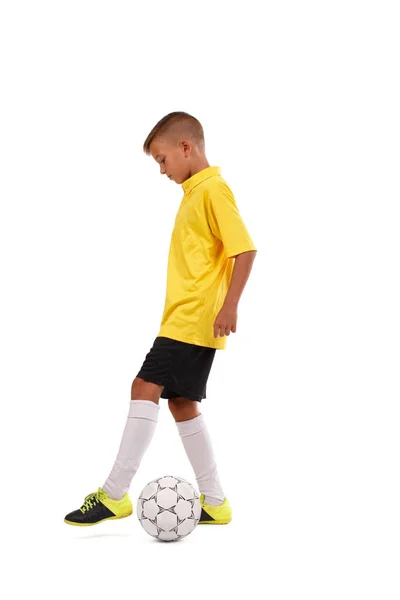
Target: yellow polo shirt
x=208, y=232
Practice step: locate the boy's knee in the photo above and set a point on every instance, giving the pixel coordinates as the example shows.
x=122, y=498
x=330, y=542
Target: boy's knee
x=183, y=409
x=144, y=390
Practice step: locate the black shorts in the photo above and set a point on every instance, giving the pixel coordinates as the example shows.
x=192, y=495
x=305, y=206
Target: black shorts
x=182, y=368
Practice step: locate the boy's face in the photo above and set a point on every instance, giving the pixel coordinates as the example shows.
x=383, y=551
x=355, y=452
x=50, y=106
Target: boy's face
x=172, y=158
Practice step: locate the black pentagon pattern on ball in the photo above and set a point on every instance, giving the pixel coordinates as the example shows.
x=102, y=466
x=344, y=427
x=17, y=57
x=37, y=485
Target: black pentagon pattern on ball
x=161, y=509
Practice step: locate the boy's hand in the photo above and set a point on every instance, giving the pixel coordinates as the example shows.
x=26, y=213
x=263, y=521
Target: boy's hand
x=226, y=321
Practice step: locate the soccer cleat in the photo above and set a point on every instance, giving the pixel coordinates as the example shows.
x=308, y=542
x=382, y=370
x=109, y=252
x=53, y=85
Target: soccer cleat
x=215, y=515
x=99, y=507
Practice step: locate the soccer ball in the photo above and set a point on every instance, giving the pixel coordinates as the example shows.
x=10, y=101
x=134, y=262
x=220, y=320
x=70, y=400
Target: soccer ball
x=169, y=508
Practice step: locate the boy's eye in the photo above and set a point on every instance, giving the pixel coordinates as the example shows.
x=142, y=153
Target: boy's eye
x=163, y=160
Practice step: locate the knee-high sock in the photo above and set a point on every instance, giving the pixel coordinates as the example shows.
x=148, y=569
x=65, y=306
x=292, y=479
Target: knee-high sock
x=138, y=433
x=197, y=443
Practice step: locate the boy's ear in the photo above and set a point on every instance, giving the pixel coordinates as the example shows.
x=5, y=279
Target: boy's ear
x=186, y=146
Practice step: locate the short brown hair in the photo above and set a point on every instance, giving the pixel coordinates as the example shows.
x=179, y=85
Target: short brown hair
x=176, y=125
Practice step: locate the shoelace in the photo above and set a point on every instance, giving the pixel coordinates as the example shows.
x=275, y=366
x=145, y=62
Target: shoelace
x=90, y=501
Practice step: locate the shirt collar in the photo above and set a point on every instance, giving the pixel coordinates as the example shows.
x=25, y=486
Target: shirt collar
x=199, y=177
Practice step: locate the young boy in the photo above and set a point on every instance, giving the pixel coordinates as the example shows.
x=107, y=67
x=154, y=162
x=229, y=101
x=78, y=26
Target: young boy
x=210, y=259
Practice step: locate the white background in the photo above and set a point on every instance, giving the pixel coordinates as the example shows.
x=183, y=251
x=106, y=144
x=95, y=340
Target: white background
x=300, y=106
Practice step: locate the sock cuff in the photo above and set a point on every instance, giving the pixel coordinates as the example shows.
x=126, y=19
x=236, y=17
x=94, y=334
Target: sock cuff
x=143, y=409
x=191, y=426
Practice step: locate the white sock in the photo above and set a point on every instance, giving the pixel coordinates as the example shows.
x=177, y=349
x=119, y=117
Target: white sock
x=138, y=433
x=197, y=443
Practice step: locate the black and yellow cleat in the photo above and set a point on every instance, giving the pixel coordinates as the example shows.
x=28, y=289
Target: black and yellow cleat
x=99, y=507
x=215, y=515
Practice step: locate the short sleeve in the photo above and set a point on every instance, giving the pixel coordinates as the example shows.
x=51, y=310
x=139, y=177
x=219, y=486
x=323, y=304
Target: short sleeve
x=226, y=222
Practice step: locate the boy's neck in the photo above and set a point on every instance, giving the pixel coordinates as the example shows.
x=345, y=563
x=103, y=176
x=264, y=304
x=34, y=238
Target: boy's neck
x=197, y=166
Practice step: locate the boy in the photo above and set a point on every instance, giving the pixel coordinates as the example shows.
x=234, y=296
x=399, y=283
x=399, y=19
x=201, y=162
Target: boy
x=204, y=286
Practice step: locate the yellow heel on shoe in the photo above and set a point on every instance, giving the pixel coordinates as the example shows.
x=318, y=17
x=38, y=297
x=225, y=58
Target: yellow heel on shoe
x=215, y=515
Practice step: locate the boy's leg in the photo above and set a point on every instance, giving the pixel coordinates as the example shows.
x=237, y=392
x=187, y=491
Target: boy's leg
x=197, y=443
x=112, y=501
x=137, y=435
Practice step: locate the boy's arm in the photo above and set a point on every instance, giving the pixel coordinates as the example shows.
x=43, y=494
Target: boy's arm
x=227, y=317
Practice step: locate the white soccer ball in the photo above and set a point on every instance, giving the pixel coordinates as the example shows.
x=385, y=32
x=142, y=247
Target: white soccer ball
x=169, y=508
